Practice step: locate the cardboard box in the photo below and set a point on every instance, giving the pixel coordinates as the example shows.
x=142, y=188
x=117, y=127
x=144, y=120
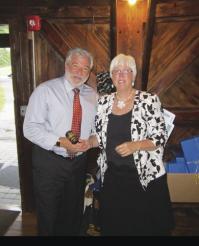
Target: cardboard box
x=176, y=166
x=183, y=187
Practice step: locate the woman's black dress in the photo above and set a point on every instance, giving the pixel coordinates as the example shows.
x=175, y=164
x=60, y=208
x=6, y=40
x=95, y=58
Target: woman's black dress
x=126, y=208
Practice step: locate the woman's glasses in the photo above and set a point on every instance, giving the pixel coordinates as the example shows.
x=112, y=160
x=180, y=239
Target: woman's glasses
x=118, y=72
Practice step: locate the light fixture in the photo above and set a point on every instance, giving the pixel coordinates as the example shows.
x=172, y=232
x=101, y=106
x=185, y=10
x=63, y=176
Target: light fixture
x=132, y=2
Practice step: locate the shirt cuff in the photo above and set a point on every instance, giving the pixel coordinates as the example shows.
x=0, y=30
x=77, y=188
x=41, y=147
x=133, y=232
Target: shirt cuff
x=51, y=141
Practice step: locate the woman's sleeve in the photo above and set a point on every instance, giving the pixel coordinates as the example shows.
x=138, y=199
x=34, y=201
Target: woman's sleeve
x=156, y=127
x=98, y=122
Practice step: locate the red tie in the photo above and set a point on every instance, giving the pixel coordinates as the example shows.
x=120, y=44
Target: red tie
x=77, y=113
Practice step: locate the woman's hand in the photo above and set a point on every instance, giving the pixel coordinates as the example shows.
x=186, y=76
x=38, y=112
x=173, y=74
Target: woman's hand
x=127, y=148
x=89, y=143
x=84, y=145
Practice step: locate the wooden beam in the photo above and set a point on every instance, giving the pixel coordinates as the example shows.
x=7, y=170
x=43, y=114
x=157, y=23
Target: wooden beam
x=130, y=31
x=176, y=19
x=177, y=8
x=113, y=48
x=80, y=20
x=53, y=3
x=148, y=44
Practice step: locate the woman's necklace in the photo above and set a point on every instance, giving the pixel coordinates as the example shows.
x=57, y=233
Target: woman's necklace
x=122, y=103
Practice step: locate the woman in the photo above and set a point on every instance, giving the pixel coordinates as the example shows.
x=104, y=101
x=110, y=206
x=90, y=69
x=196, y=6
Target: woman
x=131, y=133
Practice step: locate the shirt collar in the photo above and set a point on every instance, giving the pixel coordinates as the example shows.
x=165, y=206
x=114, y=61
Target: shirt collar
x=69, y=87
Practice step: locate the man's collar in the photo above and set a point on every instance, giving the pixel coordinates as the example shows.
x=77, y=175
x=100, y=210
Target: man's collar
x=70, y=87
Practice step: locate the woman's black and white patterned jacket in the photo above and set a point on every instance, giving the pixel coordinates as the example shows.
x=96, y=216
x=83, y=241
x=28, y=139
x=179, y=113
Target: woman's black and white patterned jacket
x=147, y=123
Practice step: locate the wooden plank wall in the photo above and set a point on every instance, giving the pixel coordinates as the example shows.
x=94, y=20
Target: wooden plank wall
x=174, y=64
x=73, y=26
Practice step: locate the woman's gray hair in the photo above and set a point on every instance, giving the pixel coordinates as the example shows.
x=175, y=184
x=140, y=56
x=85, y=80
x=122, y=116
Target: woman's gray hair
x=127, y=60
x=81, y=52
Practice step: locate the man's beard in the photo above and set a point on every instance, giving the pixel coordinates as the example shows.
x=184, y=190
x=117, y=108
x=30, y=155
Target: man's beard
x=82, y=80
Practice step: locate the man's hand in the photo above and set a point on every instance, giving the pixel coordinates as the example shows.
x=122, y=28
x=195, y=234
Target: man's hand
x=81, y=146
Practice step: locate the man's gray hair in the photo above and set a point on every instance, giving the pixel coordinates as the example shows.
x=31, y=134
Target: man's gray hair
x=127, y=60
x=81, y=52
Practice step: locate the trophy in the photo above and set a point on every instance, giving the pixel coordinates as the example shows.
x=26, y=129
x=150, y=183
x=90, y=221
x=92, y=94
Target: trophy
x=72, y=137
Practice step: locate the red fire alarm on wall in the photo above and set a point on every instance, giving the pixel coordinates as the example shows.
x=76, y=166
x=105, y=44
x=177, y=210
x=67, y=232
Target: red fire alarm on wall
x=33, y=23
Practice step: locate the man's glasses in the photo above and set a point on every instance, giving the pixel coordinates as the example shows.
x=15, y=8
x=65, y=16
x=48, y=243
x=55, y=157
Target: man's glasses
x=76, y=67
x=125, y=71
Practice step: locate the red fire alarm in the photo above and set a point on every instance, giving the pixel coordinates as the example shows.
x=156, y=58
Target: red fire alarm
x=33, y=23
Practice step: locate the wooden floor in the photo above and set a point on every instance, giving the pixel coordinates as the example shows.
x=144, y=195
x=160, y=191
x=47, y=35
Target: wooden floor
x=186, y=219
x=24, y=225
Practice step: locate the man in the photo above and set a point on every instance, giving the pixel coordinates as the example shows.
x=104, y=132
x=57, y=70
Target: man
x=59, y=167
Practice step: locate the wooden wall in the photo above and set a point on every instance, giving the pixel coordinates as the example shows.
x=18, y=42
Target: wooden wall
x=174, y=63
